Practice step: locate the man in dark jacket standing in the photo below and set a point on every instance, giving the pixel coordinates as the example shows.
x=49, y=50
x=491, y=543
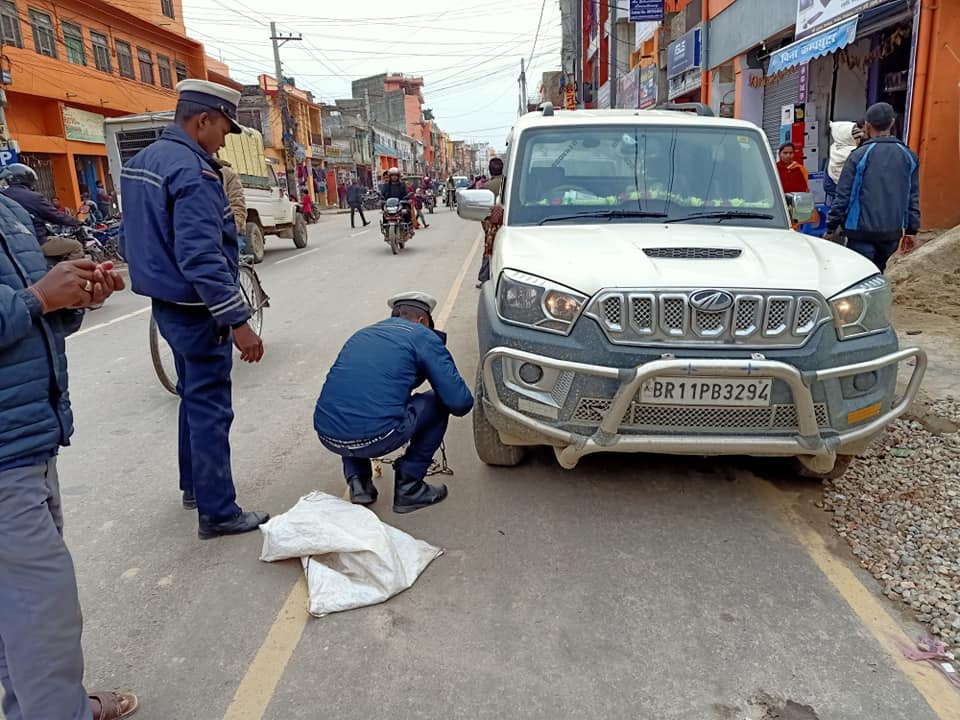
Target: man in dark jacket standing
x=878, y=196
x=21, y=188
x=355, y=201
x=366, y=408
x=41, y=659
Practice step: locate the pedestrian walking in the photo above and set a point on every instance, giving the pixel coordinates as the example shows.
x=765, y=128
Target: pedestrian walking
x=355, y=201
x=493, y=221
x=878, y=196
x=342, y=195
x=184, y=256
x=41, y=658
x=104, y=201
x=418, y=207
x=844, y=141
x=367, y=408
x=793, y=175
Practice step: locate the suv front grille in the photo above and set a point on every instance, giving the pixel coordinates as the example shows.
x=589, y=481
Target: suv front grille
x=692, y=253
x=776, y=418
x=756, y=318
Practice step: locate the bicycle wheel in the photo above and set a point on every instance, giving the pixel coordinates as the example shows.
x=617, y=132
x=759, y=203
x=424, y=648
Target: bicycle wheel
x=253, y=294
x=162, y=357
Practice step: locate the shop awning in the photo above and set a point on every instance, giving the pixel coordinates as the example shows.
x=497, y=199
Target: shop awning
x=817, y=45
x=386, y=150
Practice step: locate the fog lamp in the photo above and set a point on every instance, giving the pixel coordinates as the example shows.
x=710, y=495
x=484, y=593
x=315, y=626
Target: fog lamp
x=530, y=374
x=864, y=381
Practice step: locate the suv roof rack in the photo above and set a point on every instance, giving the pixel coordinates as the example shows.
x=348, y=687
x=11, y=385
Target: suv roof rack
x=547, y=109
x=699, y=108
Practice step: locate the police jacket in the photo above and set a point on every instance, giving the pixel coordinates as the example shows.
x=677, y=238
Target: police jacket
x=396, y=190
x=879, y=190
x=368, y=388
x=35, y=416
x=40, y=209
x=180, y=238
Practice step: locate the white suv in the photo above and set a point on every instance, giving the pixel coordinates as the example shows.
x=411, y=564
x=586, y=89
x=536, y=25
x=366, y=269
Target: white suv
x=649, y=295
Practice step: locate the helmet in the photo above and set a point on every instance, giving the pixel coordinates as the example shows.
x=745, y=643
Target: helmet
x=393, y=171
x=19, y=174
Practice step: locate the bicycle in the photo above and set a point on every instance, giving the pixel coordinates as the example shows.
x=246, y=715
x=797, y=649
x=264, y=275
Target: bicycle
x=256, y=298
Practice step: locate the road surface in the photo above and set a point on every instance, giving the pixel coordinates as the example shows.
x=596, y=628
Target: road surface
x=632, y=587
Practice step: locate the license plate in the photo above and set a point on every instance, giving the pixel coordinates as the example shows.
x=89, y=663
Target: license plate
x=727, y=392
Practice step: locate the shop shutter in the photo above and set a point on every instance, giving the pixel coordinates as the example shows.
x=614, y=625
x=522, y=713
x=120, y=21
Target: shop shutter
x=775, y=96
x=43, y=167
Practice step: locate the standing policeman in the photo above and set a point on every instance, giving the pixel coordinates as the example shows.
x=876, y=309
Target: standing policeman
x=181, y=247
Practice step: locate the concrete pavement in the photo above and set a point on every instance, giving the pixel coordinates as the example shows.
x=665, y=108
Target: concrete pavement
x=631, y=587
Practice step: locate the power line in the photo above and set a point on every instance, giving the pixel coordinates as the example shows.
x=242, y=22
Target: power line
x=536, y=35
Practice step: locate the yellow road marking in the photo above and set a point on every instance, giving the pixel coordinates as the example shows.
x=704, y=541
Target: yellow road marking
x=939, y=694
x=259, y=683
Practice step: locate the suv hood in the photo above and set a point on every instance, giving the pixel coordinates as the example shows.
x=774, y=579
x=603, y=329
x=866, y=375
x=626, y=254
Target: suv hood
x=592, y=257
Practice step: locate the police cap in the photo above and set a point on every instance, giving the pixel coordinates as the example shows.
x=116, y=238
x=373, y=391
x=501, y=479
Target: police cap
x=419, y=300
x=216, y=97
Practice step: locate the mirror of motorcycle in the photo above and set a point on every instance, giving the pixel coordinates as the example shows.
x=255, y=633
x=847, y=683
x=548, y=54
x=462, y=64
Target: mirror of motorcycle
x=474, y=204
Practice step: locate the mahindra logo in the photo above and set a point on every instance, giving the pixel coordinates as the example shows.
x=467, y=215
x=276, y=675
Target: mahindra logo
x=711, y=300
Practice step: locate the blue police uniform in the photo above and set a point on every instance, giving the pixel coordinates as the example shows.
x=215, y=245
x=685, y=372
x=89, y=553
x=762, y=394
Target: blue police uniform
x=181, y=246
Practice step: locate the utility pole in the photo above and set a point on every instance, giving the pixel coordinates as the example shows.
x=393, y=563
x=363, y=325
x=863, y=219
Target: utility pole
x=614, y=53
x=578, y=61
x=285, y=120
x=523, y=88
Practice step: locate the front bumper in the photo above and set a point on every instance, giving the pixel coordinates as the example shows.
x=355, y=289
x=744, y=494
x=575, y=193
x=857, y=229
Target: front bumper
x=818, y=444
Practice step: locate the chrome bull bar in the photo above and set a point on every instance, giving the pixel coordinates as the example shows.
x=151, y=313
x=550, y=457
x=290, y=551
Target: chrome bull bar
x=808, y=441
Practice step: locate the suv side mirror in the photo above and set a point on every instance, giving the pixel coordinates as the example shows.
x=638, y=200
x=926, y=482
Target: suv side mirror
x=801, y=206
x=474, y=204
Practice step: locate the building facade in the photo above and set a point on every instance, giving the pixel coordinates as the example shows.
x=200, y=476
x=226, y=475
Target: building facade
x=68, y=65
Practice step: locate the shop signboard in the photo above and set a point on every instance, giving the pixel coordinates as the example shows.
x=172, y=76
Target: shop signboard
x=813, y=15
x=648, y=87
x=627, y=89
x=570, y=96
x=83, y=126
x=646, y=10
x=8, y=156
x=823, y=43
x=683, y=54
x=683, y=84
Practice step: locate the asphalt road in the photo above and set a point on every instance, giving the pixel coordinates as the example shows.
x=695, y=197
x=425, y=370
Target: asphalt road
x=632, y=587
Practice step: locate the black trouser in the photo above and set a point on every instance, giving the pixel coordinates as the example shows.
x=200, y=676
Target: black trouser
x=356, y=209
x=876, y=246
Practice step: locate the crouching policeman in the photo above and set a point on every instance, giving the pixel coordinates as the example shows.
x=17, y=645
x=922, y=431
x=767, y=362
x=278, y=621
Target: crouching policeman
x=180, y=242
x=366, y=408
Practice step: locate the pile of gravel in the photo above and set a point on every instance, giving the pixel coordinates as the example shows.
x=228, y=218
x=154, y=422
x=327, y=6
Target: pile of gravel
x=899, y=508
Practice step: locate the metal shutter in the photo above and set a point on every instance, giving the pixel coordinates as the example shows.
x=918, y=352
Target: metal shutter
x=775, y=96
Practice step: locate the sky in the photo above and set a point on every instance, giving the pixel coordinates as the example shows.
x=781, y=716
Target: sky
x=468, y=52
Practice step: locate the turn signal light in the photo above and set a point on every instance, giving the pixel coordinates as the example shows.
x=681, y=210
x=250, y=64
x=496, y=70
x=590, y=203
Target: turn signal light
x=865, y=413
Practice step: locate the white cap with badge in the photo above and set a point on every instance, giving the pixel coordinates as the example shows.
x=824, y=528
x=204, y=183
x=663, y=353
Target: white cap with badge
x=413, y=298
x=217, y=97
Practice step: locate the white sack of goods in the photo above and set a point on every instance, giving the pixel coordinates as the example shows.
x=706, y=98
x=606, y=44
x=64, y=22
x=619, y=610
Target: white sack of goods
x=351, y=558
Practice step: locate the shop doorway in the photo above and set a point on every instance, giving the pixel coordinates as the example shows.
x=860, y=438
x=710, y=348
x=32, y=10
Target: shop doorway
x=890, y=77
x=87, y=175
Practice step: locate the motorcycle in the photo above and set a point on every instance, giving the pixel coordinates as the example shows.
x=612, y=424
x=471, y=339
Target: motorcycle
x=395, y=224
x=372, y=200
x=107, y=233
x=429, y=201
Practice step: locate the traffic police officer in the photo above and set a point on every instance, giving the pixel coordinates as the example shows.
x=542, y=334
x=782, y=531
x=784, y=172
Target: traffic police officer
x=366, y=409
x=180, y=242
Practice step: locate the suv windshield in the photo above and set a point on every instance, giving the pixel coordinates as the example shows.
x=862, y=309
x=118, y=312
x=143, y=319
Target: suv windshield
x=644, y=173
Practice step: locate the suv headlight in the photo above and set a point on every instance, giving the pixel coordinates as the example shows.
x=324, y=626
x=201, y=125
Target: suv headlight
x=536, y=302
x=863, y=309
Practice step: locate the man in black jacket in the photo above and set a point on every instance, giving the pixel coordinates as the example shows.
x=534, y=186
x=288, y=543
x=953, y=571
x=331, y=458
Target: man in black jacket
x=355, y=201
x=878, y=196
x=21, y=180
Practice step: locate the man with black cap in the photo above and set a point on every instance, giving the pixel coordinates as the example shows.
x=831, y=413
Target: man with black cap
x=367, y=408
x=181, y=249
x=878, y=196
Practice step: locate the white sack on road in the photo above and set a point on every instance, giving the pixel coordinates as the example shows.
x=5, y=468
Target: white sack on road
x=350, y=557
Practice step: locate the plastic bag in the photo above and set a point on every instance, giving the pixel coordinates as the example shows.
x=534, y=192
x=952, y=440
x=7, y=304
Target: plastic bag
x=350, y=557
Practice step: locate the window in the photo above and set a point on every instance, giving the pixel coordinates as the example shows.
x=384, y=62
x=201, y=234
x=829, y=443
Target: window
x=181, y=72
x=44, y=39
x=10, y=24
x=124, y=59
x=250, y=119
x=163, y=65
x=73, y=40
x=166, y=7
x=145, y=59
x=101, y=52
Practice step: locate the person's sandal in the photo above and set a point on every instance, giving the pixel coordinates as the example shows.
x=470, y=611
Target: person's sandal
x=110, y=705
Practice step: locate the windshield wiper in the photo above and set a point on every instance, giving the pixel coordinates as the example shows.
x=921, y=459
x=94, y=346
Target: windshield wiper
x=724, y=215
x=604, y=214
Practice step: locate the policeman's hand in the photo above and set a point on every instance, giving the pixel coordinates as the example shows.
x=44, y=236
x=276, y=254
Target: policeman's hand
x=68, y=284
x=248, y=343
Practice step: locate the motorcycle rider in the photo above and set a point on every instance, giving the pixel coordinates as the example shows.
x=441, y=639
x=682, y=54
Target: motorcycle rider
x=394, y=187
x=21, y=180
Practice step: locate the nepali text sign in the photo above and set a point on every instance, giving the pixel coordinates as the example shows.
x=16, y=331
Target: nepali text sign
x=83, y=126
x=648, y=87
x=812, y=15
x=684, y=54
x=818, y=45
x=646, y=10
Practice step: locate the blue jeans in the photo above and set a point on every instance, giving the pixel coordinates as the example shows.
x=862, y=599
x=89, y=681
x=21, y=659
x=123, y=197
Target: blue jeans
x=41, y=661
x=423, y=428
x=203, y=355
x=878, y=247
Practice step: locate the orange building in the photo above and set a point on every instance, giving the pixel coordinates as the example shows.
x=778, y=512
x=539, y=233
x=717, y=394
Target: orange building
x=74, y=62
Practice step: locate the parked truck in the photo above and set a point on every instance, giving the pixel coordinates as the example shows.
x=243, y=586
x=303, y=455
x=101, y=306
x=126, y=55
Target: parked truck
x=270, y=211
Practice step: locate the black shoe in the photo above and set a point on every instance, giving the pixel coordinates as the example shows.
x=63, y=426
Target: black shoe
x=242, y=523
x=362, y=491
x=365, y=224
x=189, y=500
x=411, y=494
